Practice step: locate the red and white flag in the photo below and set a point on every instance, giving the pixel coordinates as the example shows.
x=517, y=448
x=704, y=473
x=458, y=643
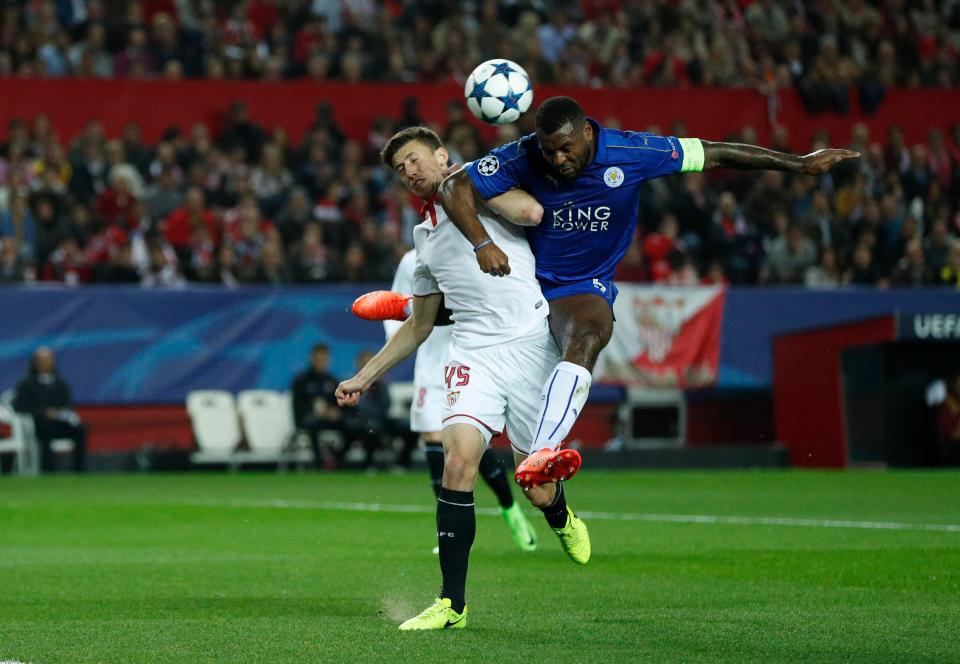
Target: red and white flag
x=664, y=336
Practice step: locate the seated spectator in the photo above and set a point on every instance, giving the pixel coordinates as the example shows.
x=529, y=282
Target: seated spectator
x=826, y=274
x=863, y=271
x=312, y=261
x=184, y=220
x=950, y=273
x=790, y=255
x=912, y=270
x=936, y=247
x=45, y=395
x=272, y=269
x=14, y=268
x=66, y=264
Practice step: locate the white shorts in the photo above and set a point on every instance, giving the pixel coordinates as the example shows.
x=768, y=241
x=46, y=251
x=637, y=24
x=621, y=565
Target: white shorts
x=425, y=408
x=500, y=385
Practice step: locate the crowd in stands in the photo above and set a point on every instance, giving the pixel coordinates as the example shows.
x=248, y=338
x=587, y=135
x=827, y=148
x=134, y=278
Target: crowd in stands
x=248, y=207
x=823, y=47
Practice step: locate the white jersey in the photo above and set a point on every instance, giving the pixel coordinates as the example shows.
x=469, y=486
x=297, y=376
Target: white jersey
x=432, y=354
x=487, y=311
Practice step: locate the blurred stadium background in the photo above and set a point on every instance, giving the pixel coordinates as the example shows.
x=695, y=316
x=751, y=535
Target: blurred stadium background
x=190, y=199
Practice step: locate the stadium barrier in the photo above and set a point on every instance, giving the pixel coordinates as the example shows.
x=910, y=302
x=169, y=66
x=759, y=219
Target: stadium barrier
x=706, y=112
x=132, y=355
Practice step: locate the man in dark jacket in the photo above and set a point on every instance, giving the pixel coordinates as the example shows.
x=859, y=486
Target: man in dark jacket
x=45, y=395
x=315, y=405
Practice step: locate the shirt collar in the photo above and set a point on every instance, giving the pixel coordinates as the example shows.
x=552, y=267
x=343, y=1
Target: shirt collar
x=429, y=208
x=600, y=155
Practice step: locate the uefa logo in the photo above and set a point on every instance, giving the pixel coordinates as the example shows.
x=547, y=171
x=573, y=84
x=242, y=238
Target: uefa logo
x=488, y=165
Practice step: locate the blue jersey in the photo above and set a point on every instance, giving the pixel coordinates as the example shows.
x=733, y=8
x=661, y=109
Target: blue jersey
x=588, y=221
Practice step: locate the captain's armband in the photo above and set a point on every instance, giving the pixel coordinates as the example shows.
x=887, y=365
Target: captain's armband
x=692, y=155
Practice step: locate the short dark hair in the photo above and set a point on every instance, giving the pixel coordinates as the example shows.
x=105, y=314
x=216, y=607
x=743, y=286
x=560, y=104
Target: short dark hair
x=556, y=112
x=319, y=348
x=425, y=135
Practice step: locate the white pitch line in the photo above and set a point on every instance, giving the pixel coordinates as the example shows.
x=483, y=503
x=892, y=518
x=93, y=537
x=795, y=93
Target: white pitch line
x=598, y=516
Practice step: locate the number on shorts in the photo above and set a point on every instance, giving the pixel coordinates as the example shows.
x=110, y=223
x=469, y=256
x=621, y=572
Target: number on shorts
x=421, y=397
x=461, y=373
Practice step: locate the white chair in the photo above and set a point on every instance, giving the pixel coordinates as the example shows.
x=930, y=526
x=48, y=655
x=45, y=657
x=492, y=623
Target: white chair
x=401, y=396
x=213, y=416
x=16, y=437
x=266, y=423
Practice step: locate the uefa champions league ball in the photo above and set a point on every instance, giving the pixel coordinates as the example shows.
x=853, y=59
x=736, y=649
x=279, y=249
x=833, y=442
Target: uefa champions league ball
x=498, y=91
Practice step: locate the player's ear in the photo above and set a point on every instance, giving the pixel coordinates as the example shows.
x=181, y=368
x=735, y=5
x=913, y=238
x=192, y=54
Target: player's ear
x=443, y=157
x=587, y=131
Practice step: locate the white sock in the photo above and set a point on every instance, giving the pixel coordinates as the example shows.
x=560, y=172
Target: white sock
x=562, y=399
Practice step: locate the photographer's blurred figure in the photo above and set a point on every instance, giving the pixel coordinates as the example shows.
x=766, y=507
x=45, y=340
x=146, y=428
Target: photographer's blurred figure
x=45, y=395
x=948, y=423
x=315, y=405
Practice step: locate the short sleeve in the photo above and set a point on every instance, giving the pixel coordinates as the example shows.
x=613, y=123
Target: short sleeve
x=423, y=281
x=499, y=171
x=652, y=156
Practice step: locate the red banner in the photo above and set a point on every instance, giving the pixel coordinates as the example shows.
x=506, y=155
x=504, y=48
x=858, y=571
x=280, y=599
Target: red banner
x=664, y=337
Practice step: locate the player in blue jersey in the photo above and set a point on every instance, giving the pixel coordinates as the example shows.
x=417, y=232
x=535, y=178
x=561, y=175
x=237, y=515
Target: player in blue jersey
x=588, y=179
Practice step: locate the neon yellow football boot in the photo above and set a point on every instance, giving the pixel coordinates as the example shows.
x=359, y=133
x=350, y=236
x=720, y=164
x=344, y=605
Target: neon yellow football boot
x=574, y=538
x=439, y=615
x=524, y=536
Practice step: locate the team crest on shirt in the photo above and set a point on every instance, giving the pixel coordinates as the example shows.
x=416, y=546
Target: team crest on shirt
x=452, y=398
x=613, y=176
x=488, y=165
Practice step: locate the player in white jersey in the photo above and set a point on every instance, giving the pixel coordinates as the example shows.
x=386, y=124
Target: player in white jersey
x=426, y=420
x=500, y=353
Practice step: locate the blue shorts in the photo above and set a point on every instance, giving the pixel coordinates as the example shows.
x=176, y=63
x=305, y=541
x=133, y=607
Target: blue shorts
x=602, y=287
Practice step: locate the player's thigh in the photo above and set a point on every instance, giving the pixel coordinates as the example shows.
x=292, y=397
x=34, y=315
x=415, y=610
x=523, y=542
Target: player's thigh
x=530, y=366
x=476, y=392
x=584, y=314
x=425, y=409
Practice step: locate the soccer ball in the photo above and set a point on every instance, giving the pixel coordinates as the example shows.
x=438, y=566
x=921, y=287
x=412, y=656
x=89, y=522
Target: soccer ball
x=498, y=91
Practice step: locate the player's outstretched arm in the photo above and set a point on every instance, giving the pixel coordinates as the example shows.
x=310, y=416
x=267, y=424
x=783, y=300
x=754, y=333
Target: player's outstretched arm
x=457, y=196
x=401, y=345
x=750, y=157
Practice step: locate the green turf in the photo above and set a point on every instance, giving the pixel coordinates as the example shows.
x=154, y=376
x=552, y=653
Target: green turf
x=170, y=569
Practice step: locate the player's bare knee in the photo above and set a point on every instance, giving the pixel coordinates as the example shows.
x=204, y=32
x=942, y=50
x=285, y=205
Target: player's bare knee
x=458, y=470
x=585, y=344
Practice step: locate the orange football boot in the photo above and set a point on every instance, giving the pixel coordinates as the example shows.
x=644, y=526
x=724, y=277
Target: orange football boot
x=382, y=305
x=545, y=466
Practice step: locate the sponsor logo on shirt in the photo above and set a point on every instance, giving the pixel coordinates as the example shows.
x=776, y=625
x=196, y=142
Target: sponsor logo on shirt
x=488, y=165
x=613, y=176
x=599, y=286
x=591, y=219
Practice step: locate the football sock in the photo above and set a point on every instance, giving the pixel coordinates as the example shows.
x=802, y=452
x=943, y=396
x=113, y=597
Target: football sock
x=456, y=527
x=556, y=512
x=562, y=399
x=495, y=475
x=434, y=452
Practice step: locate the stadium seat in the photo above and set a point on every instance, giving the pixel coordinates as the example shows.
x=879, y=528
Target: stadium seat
x=401, y=396
x=266, y=420
x=213, y=416
x=16, y=437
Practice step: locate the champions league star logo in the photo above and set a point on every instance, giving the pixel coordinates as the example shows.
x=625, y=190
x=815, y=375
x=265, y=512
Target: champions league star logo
x=488, y=165
x=613, y=176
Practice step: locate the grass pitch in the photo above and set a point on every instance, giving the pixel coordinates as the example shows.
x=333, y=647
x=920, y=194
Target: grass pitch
x=687, y=567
